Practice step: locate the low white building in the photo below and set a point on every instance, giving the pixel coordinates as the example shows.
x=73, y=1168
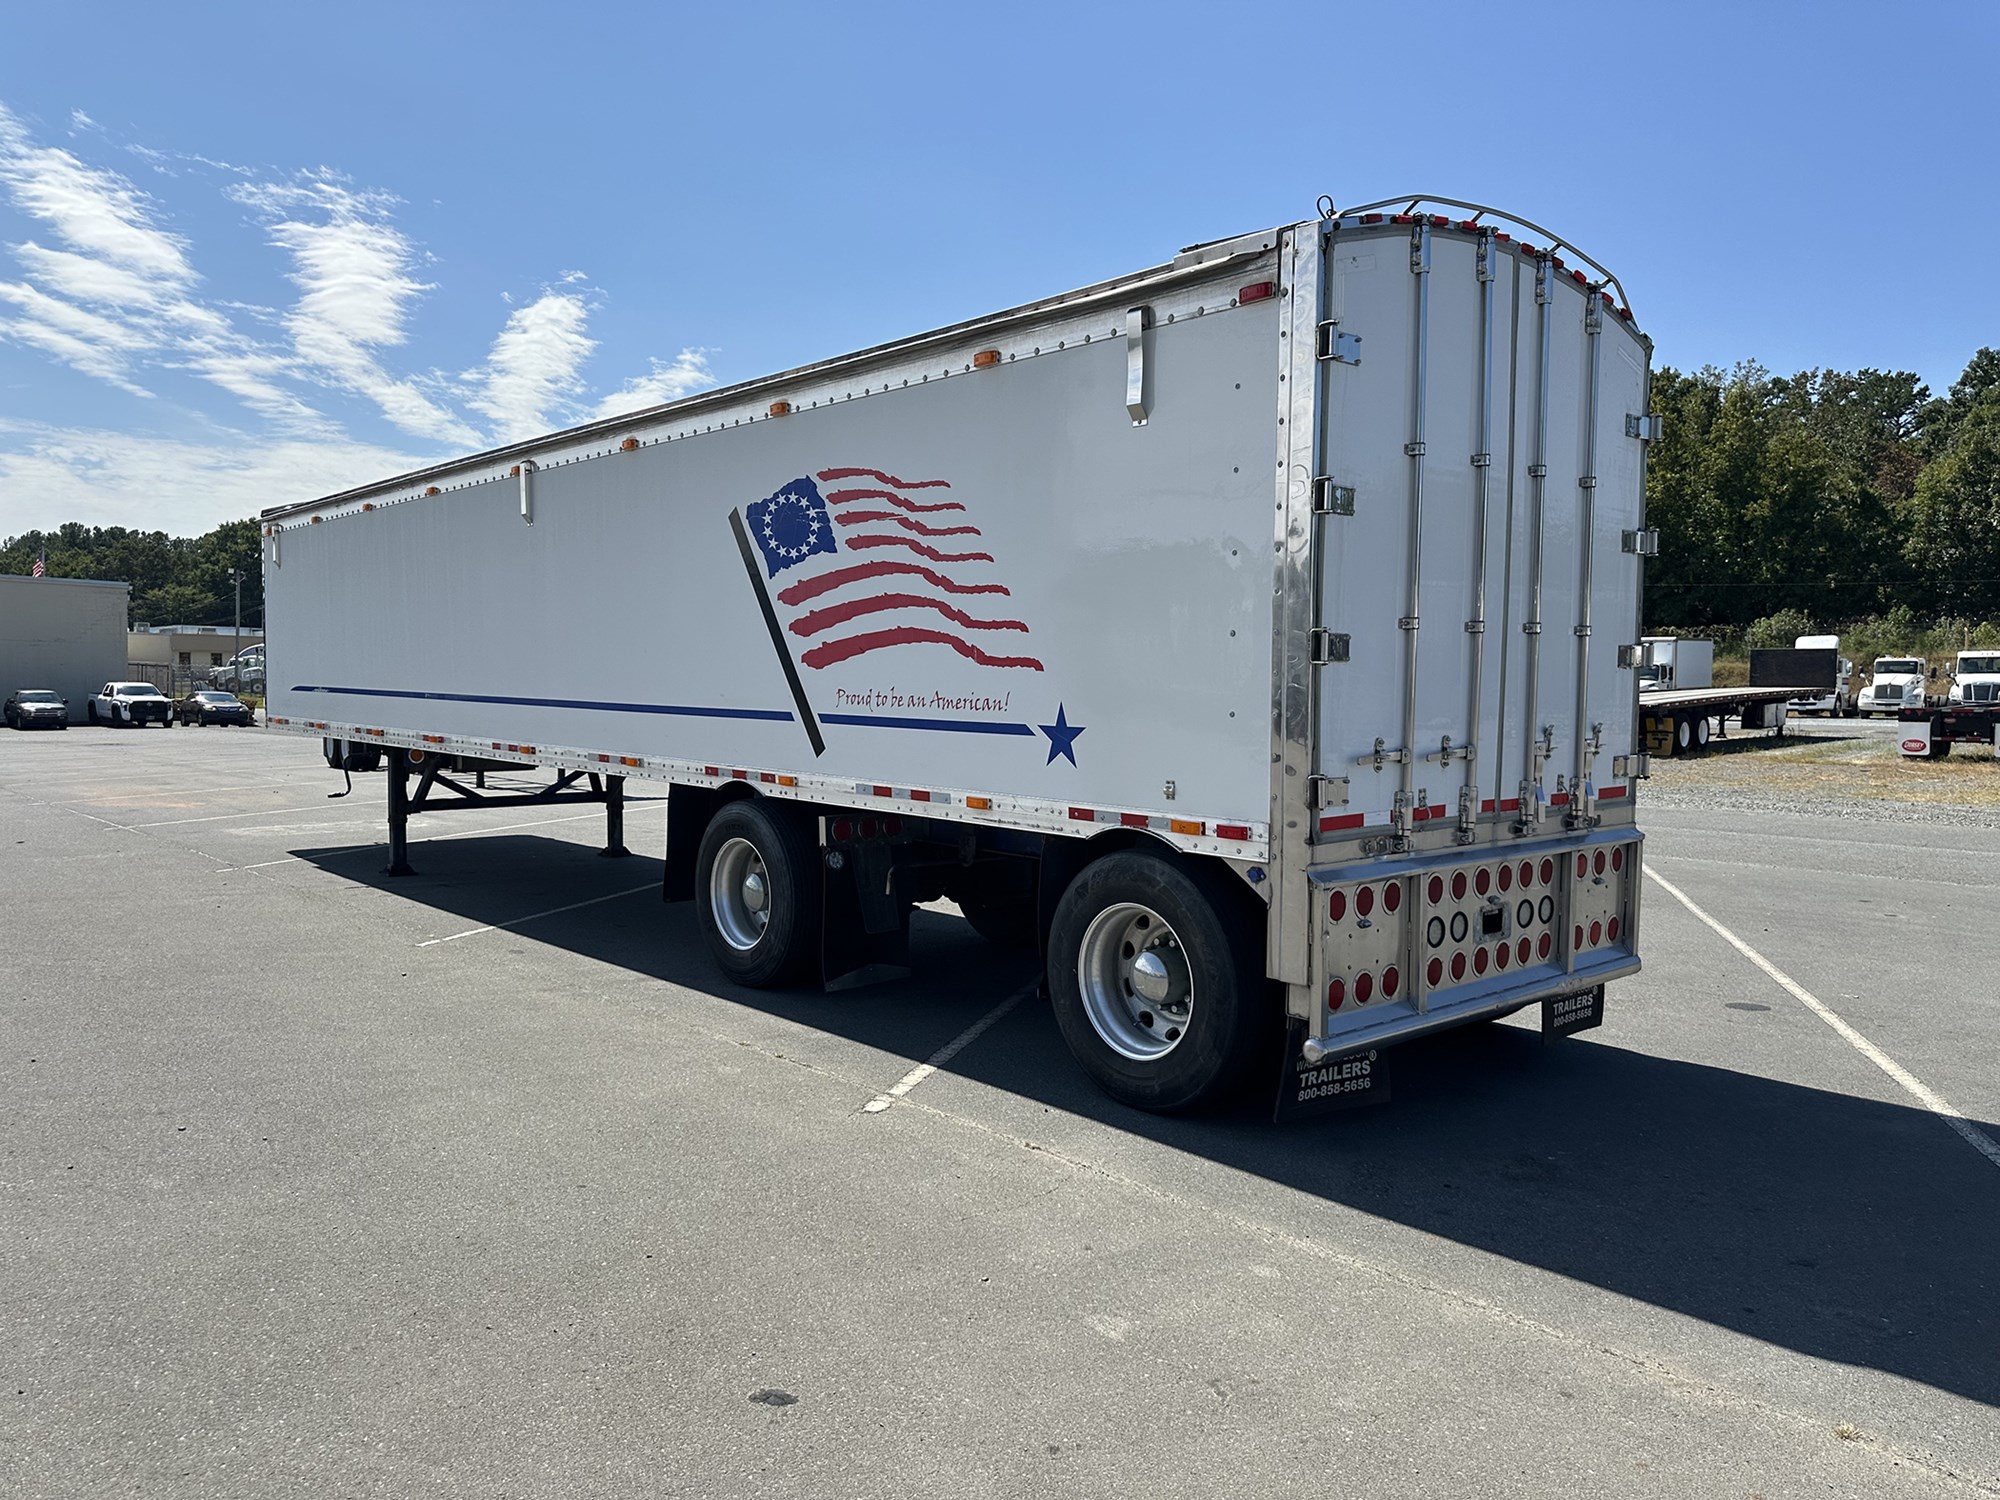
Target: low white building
x=173, y=657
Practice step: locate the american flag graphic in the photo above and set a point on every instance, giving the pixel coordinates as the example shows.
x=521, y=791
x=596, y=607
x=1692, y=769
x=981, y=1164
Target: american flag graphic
x=872, y=561
x=41, y=565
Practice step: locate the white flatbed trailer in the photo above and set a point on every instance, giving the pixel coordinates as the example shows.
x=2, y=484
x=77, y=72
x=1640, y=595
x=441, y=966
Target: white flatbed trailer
x=1252, y=633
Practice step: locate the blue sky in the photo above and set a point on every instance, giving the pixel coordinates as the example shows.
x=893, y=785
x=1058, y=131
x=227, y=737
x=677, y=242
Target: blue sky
x=252, y=254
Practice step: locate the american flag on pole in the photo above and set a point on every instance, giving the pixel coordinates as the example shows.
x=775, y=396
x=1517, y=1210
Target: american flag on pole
x=869, y=562
x=41, y=563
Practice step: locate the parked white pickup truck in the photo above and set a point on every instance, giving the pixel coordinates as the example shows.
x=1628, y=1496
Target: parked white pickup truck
x=132, y=704
x=1897, y=684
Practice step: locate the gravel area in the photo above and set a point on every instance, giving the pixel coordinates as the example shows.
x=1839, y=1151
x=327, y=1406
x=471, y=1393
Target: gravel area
x=1845, y=769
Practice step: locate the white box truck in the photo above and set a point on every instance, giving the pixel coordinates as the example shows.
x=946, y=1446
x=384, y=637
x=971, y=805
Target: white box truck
x=1253, y=633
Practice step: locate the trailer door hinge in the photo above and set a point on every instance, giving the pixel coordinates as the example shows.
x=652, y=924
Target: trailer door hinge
x=1646, y=429
x=1333, y=344
x=1330, y=499
x=1637, y=766
x=1631, y=656
x=1644, y=543
x=1326, y=791
x=1328, y=646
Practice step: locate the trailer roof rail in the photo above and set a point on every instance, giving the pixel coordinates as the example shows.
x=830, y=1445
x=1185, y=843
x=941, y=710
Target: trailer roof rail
x=1409, y=203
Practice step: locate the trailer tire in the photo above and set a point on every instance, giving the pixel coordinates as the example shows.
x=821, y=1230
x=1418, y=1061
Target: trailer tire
x=1939, y=749
x=1158, y=999
x=1701, y=732
x=757, y=894
x=1683, y=734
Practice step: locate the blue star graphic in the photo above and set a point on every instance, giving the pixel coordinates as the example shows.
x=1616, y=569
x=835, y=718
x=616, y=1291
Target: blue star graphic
x=1062, y=737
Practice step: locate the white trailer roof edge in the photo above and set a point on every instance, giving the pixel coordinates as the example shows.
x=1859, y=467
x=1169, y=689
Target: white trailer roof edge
x=1196, y=263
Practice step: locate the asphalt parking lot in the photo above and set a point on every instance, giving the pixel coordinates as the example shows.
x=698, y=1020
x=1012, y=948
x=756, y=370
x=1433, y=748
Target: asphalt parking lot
x=313, y=1182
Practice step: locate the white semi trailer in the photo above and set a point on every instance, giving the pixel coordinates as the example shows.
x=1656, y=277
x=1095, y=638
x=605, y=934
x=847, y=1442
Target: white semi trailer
x=1253, y=633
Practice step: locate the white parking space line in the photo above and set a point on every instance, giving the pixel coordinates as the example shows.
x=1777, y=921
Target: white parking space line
x=651, y=885
x=945, y=1053
x=269, y=812
x=1915, y=1087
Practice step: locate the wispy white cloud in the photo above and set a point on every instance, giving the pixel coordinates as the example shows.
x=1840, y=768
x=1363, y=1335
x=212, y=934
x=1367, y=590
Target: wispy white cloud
x=532, y=372
x=668, y=380
x=356, y=274
x=49, y=475
x=109, y=287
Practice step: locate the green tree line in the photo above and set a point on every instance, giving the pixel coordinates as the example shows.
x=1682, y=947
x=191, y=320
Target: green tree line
x=175, y=580
x=1826, y=496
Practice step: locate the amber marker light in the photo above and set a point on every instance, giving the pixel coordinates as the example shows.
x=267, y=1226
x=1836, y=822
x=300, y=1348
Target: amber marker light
x=979, y=804
x=780, y=408
x=986, y=359
x=1187, y=825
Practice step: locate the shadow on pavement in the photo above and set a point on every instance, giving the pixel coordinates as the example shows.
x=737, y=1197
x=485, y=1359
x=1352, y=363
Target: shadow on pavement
x=1842, y=1228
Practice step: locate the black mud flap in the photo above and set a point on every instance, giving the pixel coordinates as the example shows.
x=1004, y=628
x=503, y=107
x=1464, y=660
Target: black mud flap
x=1567, y=1013
x=1348, y=1081
x=861, y=940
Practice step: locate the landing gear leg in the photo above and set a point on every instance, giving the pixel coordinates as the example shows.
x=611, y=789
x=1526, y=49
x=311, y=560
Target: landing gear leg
x=614, y=820
x=399, y=813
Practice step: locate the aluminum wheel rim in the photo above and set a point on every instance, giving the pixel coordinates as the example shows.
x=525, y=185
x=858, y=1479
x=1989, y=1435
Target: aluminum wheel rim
x=739, y=894
x=1135, y=982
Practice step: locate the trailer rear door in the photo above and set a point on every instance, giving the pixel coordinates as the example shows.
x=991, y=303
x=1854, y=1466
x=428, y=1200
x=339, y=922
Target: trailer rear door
x=1482, y=437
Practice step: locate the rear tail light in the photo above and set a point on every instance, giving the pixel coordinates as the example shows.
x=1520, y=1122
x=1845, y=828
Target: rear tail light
x=1364, y=988
x=1501, y=954
x=1336, y=994
x=1434, y=972
x=1521, y=950
x=1482, y=880
x=1364, y=901
x=1436, y=889
x=1392, y=980
x=1336, y=906
x=1458, y=885
x=1480, y=960
x=1392, y=896
x=1457, y=966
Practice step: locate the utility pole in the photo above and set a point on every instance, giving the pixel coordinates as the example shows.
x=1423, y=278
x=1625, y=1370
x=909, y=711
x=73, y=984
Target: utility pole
x=236, y=657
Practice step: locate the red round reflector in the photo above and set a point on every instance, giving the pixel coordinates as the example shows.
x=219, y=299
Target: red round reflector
x=1458, y=885
x=1548, y=872
x=1457, y=966
x=1434, y=972
x=1600, y=861
x=1437, y=889
x=1480, y=960
x=1612, y=931
x=868, y=828
x=1364, y=903
x=1364, y=988
x=1579, y=937
x=1392, y=980
x=1506, y=878
x=1618, y=859
x=1527, y=872
x=1501, y=954
x=1542, y=948
x=1582, y=866
x=1522, y=950
x=1336, y=906
x=1392, y=895
x=1482, y=880
x=1336, y=994
x=842, y=829
x=1596, y=933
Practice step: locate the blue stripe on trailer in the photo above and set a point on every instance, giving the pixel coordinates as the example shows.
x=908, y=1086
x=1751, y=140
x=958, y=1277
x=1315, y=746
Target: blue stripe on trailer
x=942, y=726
